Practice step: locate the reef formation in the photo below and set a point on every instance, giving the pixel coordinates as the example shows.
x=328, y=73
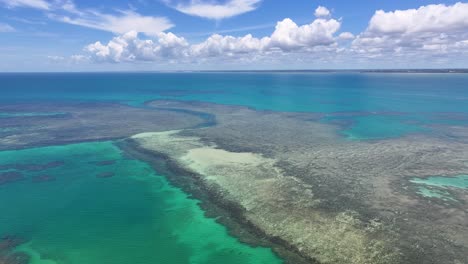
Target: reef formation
x=328, y=199
x=285, y=180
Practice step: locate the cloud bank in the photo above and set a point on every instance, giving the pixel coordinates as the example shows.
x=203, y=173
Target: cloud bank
x=287, y=37
x=428, y=30
x=427, y=34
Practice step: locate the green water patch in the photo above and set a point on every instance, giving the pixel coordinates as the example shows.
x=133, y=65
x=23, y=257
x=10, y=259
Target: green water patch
x=372, y=127
x=437, y=187
x=133, y=215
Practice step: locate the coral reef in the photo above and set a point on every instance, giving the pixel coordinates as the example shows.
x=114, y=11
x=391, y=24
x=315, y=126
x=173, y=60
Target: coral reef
x=330, y=199
x=10, y=177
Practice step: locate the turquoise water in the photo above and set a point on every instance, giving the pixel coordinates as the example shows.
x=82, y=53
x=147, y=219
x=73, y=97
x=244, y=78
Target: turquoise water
x=437, y=186
x=376, y=126
x=135, y=217
x=82, y=212
x=373, y=105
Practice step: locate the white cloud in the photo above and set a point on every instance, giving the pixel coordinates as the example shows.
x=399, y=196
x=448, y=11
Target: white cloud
x=346, y=35
x=79, y=58
x=37, y=4
x=430, y=18
x=426, y=31
x=55, y=58
x=287, y=37
x=120, y=23
x=215, y=10
x=129, y=47
x=6, y=28
x=322, y=11
x=430, y=34
x=218, y=45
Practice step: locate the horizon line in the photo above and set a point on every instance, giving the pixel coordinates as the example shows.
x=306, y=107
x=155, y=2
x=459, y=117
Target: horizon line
x=363, y=70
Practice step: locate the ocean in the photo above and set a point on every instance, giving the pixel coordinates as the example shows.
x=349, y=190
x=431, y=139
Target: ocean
x=90, y=203
x=370, y=105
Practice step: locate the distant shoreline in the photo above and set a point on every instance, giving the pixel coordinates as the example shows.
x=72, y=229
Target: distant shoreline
x=461, y=70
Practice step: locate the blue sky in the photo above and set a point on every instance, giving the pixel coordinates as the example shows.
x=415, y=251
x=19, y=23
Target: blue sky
x=107, y=35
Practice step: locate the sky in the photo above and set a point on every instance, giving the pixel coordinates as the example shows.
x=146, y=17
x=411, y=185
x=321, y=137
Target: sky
x=167, y=35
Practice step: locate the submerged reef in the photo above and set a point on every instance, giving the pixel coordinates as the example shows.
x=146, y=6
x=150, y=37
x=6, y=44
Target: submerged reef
x=7, y=255
x=105, y=162
x=10, y=177
x=43, y=178
x=32, y=167
x=105, y=175
x=328, y=199
x=285, y=180
x=85, y=122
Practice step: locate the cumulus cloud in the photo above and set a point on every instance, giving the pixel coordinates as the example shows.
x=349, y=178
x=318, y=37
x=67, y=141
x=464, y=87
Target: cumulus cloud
x=129, y=47
x=37, y=4
x=322, y=11
x=215, y=10
x=287, y=37
x=218, y=45
x=6, y=28
x=427, y=30
x=431, y=33
x=346, y=35
x=430, y=18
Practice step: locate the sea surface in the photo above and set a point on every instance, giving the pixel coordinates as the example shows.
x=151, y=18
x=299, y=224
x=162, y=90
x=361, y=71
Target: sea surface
x=367, y=105
x=82, y=214
x=73, y=211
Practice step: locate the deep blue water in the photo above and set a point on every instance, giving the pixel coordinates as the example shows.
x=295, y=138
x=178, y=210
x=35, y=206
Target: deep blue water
x=366, y=105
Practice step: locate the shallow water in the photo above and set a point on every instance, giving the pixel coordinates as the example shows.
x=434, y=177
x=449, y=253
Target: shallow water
x=436, y=186
x=135, y=216
x=417, y=99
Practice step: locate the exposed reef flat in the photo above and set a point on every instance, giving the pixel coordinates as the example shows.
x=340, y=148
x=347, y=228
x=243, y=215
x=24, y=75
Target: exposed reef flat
x=330, y=199
x=83, y=122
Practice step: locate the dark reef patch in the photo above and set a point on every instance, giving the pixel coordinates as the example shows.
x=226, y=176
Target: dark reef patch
x=43, y=178
x=10, y=177
x=105, y=175
x=105, y=162
x=32, y=167
x=8, y=244
x=89, y=122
